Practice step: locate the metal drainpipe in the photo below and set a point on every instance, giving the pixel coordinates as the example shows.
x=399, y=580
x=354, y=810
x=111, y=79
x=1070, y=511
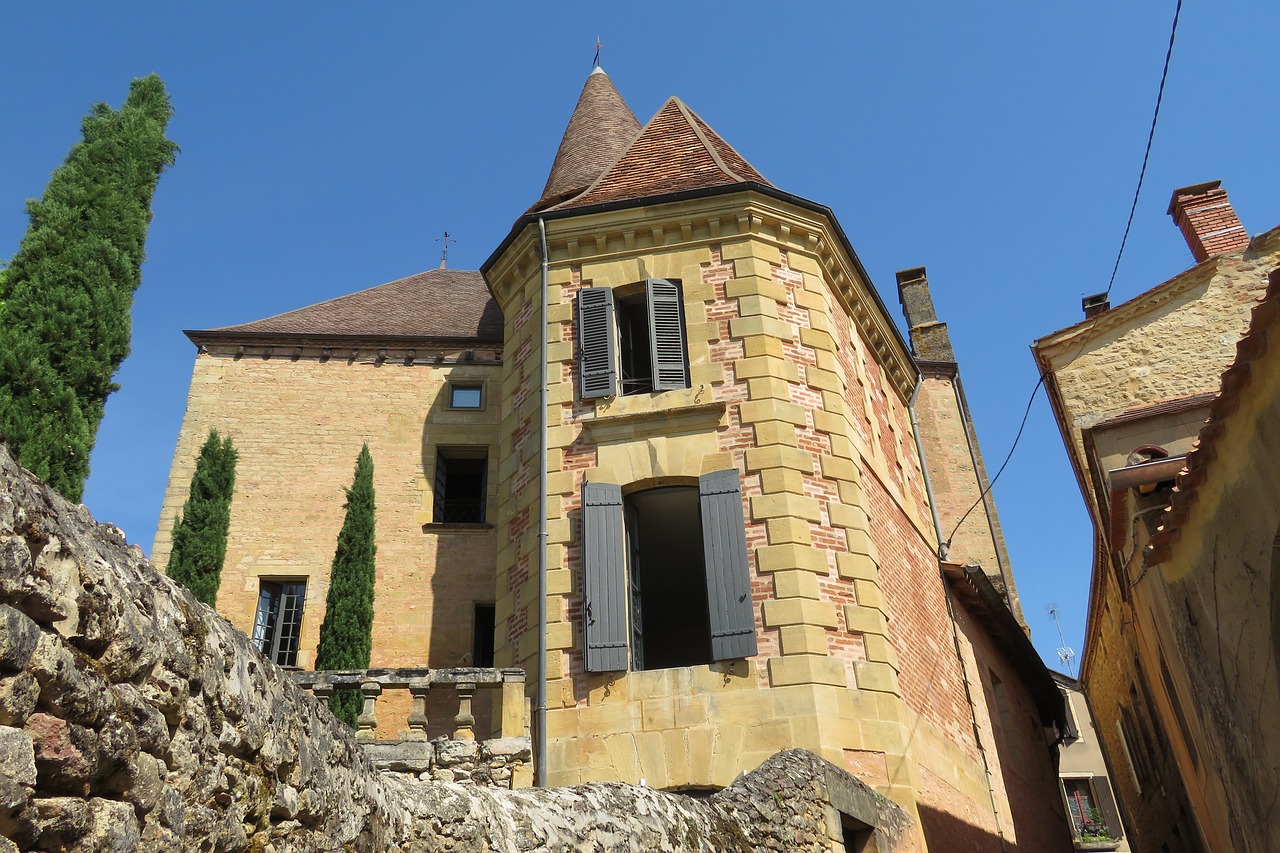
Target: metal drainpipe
x=540, y=710
x=955, y=631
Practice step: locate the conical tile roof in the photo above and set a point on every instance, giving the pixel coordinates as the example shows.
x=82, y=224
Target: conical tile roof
x=676, y=151
x=601, y=128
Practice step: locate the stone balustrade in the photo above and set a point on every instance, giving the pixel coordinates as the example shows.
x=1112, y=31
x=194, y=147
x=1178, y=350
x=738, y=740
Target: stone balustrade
x=502, y=761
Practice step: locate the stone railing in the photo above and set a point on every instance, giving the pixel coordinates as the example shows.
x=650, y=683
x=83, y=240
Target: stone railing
x=502, y=761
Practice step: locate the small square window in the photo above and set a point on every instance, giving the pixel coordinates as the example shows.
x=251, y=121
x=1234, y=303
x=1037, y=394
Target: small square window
x=466, y=396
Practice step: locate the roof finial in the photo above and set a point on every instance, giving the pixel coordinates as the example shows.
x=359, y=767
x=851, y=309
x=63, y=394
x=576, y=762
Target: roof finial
x=444, y=249
x=595, y=63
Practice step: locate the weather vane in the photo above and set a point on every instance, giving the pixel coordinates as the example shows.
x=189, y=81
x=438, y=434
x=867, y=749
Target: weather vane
x=595, y=63
x=444, y=249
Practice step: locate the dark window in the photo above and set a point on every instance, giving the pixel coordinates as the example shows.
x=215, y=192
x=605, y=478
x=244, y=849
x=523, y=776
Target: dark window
x=466, y=396
x=1072, y=731
x=462, y=475
x=278, y=623
x=482, y=636
x=666, y=581
x=1086, y=818
x=647, y=326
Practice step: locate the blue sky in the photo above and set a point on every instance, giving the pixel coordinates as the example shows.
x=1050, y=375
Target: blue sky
x=325, y=146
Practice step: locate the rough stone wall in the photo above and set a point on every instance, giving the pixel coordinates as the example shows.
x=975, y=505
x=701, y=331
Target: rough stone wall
x=132, y=717
x=298, y=424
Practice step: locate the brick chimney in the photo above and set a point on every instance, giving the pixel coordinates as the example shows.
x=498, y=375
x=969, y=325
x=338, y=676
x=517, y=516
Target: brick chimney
x=930, y=339
x=1207, y=219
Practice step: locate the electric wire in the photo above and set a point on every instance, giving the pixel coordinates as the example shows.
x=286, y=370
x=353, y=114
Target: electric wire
x=1142, y=173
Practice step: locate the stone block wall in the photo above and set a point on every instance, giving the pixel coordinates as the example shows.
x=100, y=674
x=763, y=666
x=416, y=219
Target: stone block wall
x=134, y=718
x=298, y=423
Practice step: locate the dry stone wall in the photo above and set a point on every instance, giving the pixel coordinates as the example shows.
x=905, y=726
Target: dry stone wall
x=132, y=717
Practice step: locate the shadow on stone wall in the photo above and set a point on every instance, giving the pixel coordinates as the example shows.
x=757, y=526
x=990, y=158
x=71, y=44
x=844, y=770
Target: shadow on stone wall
x=132, y=717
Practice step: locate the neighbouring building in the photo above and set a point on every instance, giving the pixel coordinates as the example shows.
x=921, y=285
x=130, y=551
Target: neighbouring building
x=1167, y=408
x=741, y=556
x=1082, y=770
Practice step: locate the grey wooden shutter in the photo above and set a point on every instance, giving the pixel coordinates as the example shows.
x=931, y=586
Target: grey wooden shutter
x=666, y=335
x=724, y=543
x=604, y=610
x=597, y=367
x=1107, y=805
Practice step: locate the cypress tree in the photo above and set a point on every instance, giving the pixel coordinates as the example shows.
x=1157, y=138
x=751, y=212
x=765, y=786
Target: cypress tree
x=346, y=635
x=200, y=533
x=67, y=293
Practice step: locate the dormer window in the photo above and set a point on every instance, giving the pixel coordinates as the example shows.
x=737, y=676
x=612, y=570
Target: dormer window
x=632, y=341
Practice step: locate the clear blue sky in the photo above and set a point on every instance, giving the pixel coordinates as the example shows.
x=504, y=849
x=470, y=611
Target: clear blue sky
x=325, y=145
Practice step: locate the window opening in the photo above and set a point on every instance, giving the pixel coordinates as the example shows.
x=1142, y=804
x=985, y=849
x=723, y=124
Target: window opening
x=466, y=396
x=634, y=344
x=461, y=484
x=483, y=635
x=278, y=623
x=670, y=623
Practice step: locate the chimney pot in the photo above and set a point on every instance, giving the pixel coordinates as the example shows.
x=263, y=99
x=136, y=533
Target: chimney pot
x=1207, y=220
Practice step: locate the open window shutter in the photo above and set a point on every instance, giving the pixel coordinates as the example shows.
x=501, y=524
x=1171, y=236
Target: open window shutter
x=604, y=586
x=724, y=542
x=596, y=364
x=1107, y=805
x=666, y=336
x=442, y=477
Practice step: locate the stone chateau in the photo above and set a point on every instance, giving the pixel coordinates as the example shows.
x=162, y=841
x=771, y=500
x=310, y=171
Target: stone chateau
x=723, y=541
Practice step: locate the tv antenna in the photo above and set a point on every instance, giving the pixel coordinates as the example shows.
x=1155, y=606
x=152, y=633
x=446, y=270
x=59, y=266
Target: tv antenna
x=1066, y=654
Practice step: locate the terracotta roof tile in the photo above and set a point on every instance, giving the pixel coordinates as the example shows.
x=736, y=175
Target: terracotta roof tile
x=676, y=151
x=1235, y=379
x=601, y=128
x=453, y=304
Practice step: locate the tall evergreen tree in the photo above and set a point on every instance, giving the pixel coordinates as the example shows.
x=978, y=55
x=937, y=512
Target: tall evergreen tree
x=200, y=533
x=67, y=293
x=346, y=635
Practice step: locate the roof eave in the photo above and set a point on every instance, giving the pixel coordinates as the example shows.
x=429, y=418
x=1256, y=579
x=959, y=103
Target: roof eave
x=707, y=192
x=203, y=336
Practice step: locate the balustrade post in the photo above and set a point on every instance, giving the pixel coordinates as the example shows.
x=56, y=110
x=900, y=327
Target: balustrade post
x=418, y=689
x=465, y=721
x=367, y=722
x=323, y=691
x=513, y=716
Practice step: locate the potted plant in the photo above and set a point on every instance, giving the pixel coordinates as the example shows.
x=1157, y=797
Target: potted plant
x=1094, y=834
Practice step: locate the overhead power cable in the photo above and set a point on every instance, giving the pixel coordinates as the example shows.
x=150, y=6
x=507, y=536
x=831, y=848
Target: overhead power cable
x=1142, y=173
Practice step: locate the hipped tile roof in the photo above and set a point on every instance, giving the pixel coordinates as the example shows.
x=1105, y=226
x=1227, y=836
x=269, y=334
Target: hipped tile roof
x=438, y=304
x=675, y=151
x=601, y=128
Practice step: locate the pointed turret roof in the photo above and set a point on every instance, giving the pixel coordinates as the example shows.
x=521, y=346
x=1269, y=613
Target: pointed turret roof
x=675, y=151
x=601, y=128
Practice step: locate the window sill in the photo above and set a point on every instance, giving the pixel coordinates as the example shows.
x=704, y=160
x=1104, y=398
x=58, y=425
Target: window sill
x=683, y=417
x=457, y=527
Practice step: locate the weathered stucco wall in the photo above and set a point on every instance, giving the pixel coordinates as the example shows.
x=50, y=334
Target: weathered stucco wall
x=132, y=717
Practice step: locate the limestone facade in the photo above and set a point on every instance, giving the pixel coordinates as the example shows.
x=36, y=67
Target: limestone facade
x=866, y=650
x=1131, y=388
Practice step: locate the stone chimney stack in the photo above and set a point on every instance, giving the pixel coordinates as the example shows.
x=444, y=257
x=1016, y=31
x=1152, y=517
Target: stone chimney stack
x=1207, y=219
x=930, y=340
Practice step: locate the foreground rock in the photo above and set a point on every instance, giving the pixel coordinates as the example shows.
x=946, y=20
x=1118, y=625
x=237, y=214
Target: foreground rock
x=133, y=717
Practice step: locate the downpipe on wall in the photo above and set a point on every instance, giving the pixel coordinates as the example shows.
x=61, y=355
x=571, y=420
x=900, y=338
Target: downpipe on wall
x=540, y=701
